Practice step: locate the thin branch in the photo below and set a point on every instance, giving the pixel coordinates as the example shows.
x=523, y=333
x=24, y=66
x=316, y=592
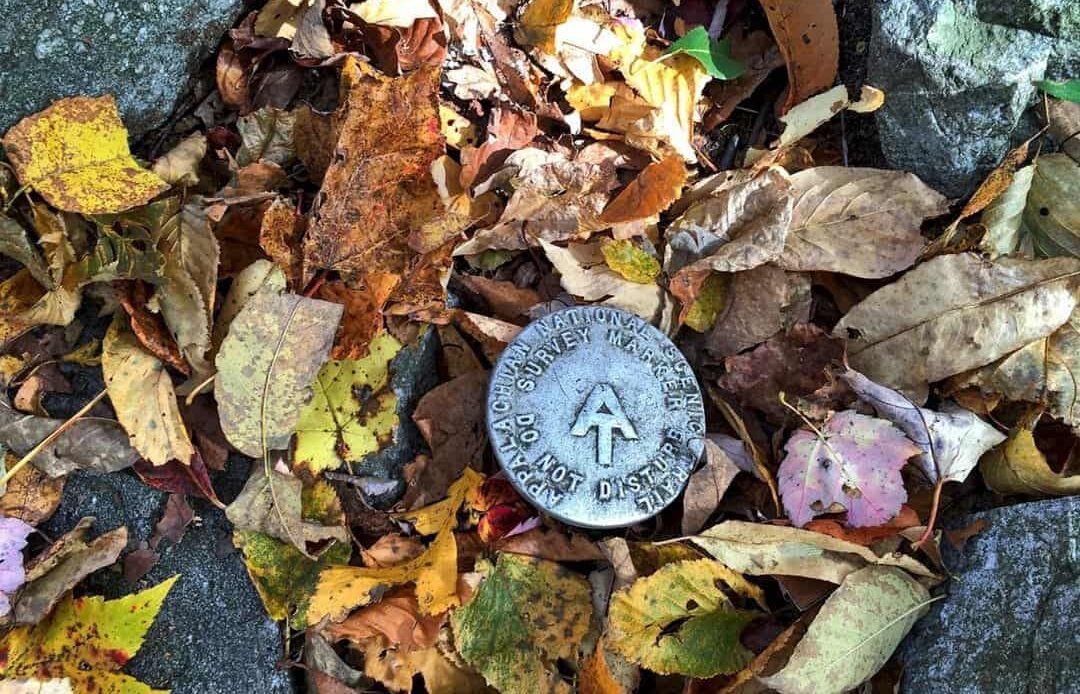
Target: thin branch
x=57, y=433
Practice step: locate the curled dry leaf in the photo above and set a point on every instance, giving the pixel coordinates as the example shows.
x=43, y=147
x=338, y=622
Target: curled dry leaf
x=853, y=462
x=775, y=550
x=180, y=165
x=905, y=335
x=854, y=634
x=806, y=32
x=861, y=222
x=31, y=495
x=75, y=153
x=142, y=394
x=1019, y=467
x=451, y=419
x=951, y=441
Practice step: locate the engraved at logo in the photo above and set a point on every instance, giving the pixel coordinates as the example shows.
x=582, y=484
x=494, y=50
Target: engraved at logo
x=603, y=412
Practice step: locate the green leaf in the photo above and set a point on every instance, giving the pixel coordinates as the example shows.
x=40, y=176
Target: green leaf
x=527, y=614
x=87, y=640
x=353, y=412
x=266, y=366
x=1068, y=89
x=713, y=55
x=679, y=620
x=854, y=634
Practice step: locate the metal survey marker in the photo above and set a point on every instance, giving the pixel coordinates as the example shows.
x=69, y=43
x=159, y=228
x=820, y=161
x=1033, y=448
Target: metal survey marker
x=595, y=416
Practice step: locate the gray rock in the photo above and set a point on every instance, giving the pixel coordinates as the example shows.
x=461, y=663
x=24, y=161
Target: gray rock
x=1009, y=623
x=142, y=52
x=1057, y=18
x=212, y=635
x=955, y=88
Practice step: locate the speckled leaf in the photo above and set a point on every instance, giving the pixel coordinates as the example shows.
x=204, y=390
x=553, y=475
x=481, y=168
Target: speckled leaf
x=855, y=464
x=679, y=620
x=1004, y=217
x=854, y=634
x=266, y=366
x=142, y=394
x=527, y=614
x=630, y=261
x=270, y=505
x=710, y=301
x=353, y=412
x=75, y=153
x=860, y=222
x=251, y=280
x=87, y=640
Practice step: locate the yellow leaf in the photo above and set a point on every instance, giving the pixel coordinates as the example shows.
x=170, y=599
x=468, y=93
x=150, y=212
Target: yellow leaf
x=395, y=668
x=540, y=20
x=679, y=620
x=344, y=588
x=279, y=18
x=353, y=412
x=86, y=640
x=142, y=393
x=75, y=153
x=456, y=128
x=709, y=302
x=590, y=100
x=1019, y=467
x=630, y=261
x=394, y=13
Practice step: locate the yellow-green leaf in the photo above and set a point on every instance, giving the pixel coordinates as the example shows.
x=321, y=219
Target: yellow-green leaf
x=75, y=153
x=630, y=261
x=711, y=299
x=87, y=640
x=1019, y=467
x=679, y=620
x=142, y=393
x=353, y=412
x=527, y=614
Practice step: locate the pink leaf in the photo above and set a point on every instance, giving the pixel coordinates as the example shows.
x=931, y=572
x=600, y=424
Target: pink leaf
x=13, y=534
x=856, y=465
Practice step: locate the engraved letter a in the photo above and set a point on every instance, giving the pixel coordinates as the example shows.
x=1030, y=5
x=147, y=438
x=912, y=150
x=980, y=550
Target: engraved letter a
x=603, y=411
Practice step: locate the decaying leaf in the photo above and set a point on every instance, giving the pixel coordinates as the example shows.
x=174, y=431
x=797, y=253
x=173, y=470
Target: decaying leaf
x=762, y=549
x=680, y=620
x=854, y=462
x=267, y=364
x=1019, y=467
x=631, y=261
x=86, y=640
x=31, y=495
x=758, y=304
x=526, y=614
x=396, y=669
x=706, y=487
x=861, y=222
x=353, y=412
x=809, y=40
x=75, y=153
x=270, y=503
x=954, y=313
x=180, y=165
x=854, y=634
x=1052, y=212
x=268, y=137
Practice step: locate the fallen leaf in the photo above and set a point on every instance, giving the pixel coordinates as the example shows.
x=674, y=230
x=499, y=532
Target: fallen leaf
x=247, y=283
x=655, y=188
x=904, y=335
x=598, y=283
x=552, y=544
x=353, y=412
x=270, y=503
x=854, y=634
x=87, y=641
x=795, y=363
x=149, y=327
x=396, y=13
x=951, y=440
x=1064, y=89
x=759, y=53
x=279, y=18
x=396, y=617
x=854, y=462
x=1052, y=213
x=141, y=391
x=179, y=478
x=16, y=244
x=312, y=39
x=713, y=54
x=632, y=262
x=62, y=566
x=268, y=137
x=860, y=222
x=372, y=198
x=280, y=237
x=526, y=615
x=680, y=620
x=605, y=672
x=710, y=301
x=75, y=153
x=707, y=487
x=363, y=306
x=762, y=549
x=507, y=301
x=31, y=495
x=758, y=304
x=267, y=365
x=809, y=40
x=35, y=686
x=539, y=23
x=1017, y=466
x=396, y=669
x=807, y=116
x=907, y=518
x=180, y=165
x=13, y=534
x=1004, y=217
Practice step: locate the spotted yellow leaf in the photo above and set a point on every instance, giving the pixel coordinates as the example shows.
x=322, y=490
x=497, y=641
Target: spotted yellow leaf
x=75, y=154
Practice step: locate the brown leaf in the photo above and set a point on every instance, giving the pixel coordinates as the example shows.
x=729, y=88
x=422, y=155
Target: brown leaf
x=553, y=544
x=806, y=32
x=363, y=318
x=652, y=192
x=31, y=495
x=794, y=363
x=233, y=75
x=506, y=300
x=397, y=617
x=398, y=50
x=280, y=235
x=381, y=189
x=392, y=549
x=758, y=52
x=508, y=131
x=906, y=518
x=315, y=134
x=760, y=303
x=149, y=327
x=706, y=488
x=193, y=479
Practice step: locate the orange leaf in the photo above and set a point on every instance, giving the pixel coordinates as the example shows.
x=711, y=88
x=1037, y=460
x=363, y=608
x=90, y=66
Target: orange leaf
x=652, y=192
x=806, y=32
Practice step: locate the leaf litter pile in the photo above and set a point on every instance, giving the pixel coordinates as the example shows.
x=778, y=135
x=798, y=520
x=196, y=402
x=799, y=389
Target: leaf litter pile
x=368, y=179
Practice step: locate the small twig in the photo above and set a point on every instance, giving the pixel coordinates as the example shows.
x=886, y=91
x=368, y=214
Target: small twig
x=57, y=433
x=198, y=389
x=316, y=283
x=929, y=532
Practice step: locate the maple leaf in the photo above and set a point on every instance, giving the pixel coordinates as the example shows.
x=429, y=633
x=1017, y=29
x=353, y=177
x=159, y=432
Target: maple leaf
x=86, y=640
x=853, y=461
x=13, y=533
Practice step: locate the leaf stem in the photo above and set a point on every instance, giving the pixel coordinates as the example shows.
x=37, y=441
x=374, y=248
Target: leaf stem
x=929, y=532
x=57, y=433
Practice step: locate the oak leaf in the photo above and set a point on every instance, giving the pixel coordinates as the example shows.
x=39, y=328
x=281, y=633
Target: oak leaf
x=853, y=462
x=75, y=153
